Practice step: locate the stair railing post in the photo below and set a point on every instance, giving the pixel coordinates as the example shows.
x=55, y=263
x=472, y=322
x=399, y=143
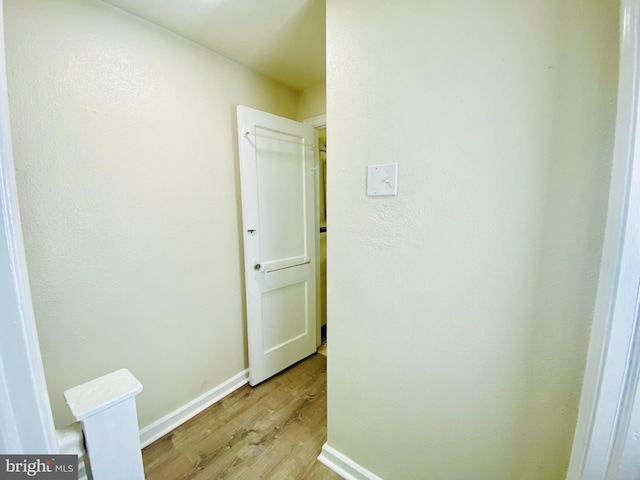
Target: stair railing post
x=106, y=408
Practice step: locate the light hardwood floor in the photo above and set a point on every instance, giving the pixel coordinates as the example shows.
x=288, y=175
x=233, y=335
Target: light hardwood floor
x=272, y=431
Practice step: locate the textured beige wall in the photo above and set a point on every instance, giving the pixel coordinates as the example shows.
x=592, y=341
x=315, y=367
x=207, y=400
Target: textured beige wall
x=460, y=309
x=125, y=150
x=312, y=102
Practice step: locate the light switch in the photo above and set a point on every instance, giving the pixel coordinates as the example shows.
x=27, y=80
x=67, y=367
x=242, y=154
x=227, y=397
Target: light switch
x=382, y=180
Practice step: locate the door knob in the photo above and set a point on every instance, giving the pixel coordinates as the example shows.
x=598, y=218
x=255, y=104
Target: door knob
x=257, y=267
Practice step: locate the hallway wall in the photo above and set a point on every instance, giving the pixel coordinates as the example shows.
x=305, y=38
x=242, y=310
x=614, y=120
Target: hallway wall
x=311, y=102
x=460, y=310
x=125, y=152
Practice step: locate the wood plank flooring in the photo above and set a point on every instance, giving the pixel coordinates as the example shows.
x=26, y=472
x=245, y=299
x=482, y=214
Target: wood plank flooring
x=272, y=431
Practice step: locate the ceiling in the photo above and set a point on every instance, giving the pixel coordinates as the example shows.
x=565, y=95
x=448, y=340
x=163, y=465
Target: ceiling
x=281, y=39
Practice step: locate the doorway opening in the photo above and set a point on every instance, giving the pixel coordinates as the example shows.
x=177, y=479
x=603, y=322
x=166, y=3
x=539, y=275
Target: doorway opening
x=322, y=250
x=319, y=124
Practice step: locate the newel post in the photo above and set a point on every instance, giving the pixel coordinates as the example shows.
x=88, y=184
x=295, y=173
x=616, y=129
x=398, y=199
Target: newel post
x=106, y=407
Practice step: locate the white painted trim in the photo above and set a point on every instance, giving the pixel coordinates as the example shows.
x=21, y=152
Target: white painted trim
x=344, y=466
x=317, y=122
x=609, y=374
x=26, y=422
x=161, y=427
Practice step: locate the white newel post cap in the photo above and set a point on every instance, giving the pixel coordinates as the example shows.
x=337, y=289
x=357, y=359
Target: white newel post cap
x=102, y=393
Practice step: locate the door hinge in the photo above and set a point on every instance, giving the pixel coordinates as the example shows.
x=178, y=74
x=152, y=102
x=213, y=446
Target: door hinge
x=312, y=170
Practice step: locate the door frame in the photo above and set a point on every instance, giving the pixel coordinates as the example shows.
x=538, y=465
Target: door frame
x=26, y=421
x=318, y=122
x=612, y=375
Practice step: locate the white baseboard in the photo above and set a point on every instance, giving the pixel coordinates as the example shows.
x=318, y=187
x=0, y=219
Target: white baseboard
x=344, y=466
x=159, y=428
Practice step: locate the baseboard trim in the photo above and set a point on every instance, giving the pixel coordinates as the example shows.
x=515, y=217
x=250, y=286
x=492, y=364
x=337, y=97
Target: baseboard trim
x=344, y=466
x=161, y=427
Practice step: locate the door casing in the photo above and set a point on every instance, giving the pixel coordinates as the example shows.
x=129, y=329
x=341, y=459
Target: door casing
x=612, y=371
x=26, y=421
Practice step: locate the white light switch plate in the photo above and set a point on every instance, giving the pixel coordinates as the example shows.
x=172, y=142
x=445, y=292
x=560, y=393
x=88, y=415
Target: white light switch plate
x=382, y=180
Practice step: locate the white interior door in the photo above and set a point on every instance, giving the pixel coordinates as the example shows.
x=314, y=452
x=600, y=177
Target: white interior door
x=278, y=209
